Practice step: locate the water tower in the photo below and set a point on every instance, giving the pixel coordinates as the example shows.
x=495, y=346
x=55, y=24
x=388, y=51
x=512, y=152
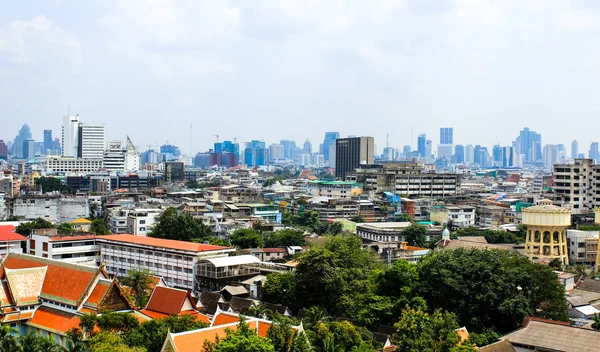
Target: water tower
x=546, y=237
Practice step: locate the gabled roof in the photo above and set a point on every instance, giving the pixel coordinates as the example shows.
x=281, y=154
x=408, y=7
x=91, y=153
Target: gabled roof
x=240, y=305
x=64, y=282
x=5, y=298
x=7, y=233
x=235, y=290
x=206, y=297
x=98, y=293
x=167, y=300
x=53, y=320
x=224, y=318
x=500, y=346
x=25, y=285
x=191, y=341
x=555, y=337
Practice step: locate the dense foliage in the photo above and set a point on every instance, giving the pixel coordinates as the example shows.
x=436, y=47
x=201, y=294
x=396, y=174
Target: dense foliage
x=310, y=221
x=489, y=292
x=52, y=184
x=415, y=235
x=250, y=238
x=175, y=226
x=491, y=236
x=140, y=282
x=25, y=228
x=99, y=227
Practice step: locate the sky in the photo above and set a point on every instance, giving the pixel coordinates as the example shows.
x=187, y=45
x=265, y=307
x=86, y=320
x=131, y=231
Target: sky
x=291, y=69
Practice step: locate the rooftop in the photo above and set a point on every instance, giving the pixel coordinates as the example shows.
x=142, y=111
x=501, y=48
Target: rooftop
x=7, y=233
x=71, y=238
x=234, y=260
x=161, y=243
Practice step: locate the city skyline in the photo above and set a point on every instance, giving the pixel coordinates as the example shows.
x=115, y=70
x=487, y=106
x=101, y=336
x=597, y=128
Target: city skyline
x=235, y=69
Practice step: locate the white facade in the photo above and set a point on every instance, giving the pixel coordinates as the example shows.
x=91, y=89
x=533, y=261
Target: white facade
x=72, y=164
x=461, y=216
x=583, y=246
x=334, y=189
x=120, y=158
x=276, y=152
x=175, y=265
x=93, y=140
x=70, y=136
x=140, y=222
x=53, y=209
x=71, y=249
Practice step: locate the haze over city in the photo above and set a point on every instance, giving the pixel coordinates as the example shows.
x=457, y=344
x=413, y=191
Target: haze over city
x=292, y=70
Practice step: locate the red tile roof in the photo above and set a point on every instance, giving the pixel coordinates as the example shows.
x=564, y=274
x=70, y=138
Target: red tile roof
x=17, y=316
x=64, y=282
x=225, y=318
x=98, y=293
x=154, y=315
x=7, y=233
x=71, y=238
x=167, y=300
x=192, y=340
x=162, y=243
x=53, y=320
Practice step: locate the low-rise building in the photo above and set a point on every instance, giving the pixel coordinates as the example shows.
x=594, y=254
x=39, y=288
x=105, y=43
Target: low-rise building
x=81, y=225
x=457, y=216
x=582, y=246
x=77, y=249
x=10, y=241
x=173, y=260
x=388, y=232
x=269, y=254
x=490, y=216
x=335, y=189
x=140, y=222
x=50, y=207
x=62, y=164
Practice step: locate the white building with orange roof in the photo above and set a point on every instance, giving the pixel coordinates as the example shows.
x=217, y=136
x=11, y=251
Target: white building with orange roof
x=174, y=261
x=76, y=248
x=10, y=241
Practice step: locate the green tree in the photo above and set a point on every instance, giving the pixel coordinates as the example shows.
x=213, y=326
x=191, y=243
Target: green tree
x=357, y=219
x=271, y=181
x=404, y=217
x=175, y=226
x=99, y=227
x=52, y=184
x=30, y=342
x=420, y=331
x=284, y=238
x=152, y=334
x=301, y=343
x=556, y=264
x=140, y=282
x=242, y=340
x=246, y=238
x=216, y=241
x=25, y=228
x=280, y=288
x=107, y=342
x=116, y=322
x=490, y=289
x=281, y=337
x=491, y=236
x=48, y=344
x=192, y=184
x=8, y=340
x=415, y=235
x=596, y=323
x=65, y=227
x=310, y=219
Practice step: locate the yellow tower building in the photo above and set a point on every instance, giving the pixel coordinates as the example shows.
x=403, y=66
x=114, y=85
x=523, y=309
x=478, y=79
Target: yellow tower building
x=546, y=237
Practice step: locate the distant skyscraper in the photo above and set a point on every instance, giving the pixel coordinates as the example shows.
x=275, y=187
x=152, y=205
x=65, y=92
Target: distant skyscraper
x=574, y=149
x=469, y=154
x=421, y=145
x=509, y=157
x=24, y=134
x=255, y=153
x=497, y=155
x=70, y=136
x=428, y=149
x=28, y=149
x=406, y=152
x=289, y=149
x=350, y=153
x=551, y=156
x=389, y=154
x=562, y=152
x=3, y=150
x=459, y=154
x=329, y=140
x=531, y=145
x=594, y=153
x=48, y=142
x=276, y=152
x=446, y=135
x=92, y=141
x=307, y=148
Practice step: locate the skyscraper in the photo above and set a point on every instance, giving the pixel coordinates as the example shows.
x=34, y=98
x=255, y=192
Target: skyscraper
x=307, y=148
x=289, y=149
x=531, y=145
x=70, y=136
x=352, y=152
x=329, y=140
x=255, y=153
x=509, y=157
x=24, y=134
x=446, y=135
x=276, y=152
x=3, y=150
x=469, y=154
x=551, y=156
x=574, y=149
x=594, y=153
x=459, y=154
x=421, y=145
x=28, y=149
x=48, y=142
x=497, y=155
x=92, y=141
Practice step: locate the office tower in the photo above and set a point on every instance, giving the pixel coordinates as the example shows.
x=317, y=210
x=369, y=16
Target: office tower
x=56, y=146
x=329, y=140
x=481, y=156
x=551, y=156
x=469, y=154
x=350, y=153
x=169, y=152
x=594, y=153
x=459, y=154
x=574, y=149
x=497, y=155
x=70, y=136
x=24, y=134
x=276, y=152
x=48, y=142
x=92, y=141
x=28, y=149
x=562, y=152
x=421, y=145
x=406, y=152
x=531, y=145
x=307, y=148
x=389, y=154
x=289, y=149
x=255, y=153
x=428, y=149
x=331, y=160
x=509, y=157
x=3, y=150
x=446, y=135
x=445, y=151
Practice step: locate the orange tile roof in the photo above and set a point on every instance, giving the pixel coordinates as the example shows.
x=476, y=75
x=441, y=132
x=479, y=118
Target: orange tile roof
x=191, y=340
x=98, y=293
x=5, y=299
x=162, y=243
x=7, y=233
x=225, y=318
x=199, y=316
x=53, y=320
x=66, y=283
x=17, y=316
x=25, y=285
x=167, y=300
x=71, y=238
x=263, y=327
x=154, y=315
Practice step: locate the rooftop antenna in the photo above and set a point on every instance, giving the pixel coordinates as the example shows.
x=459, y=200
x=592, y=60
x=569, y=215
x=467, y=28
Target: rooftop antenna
x=387, y=139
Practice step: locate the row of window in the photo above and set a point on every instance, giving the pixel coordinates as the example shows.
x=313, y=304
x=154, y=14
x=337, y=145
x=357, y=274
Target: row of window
x=147, y=252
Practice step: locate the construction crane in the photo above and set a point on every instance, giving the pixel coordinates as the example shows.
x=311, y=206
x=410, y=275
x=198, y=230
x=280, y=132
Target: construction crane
x=216, y=135
x=235, y=139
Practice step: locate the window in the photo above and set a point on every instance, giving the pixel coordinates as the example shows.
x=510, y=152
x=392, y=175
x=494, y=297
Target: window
x=45, y=246
x=142, y=222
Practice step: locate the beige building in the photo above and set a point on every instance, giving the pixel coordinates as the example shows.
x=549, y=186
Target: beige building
x=546, y=237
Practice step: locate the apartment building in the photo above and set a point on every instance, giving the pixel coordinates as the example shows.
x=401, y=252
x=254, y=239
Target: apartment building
x=174, y=261
x=583, y=246
x=334, y=189
x=140, y=222
x=53, y=208
x=578, y=185
x=76, y=249
x=63, y=164
x=406, y=179
x=457, y=216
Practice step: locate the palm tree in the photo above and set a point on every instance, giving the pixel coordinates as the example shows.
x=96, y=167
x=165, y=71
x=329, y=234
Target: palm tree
x=330, y=346
x=29, y=342
x=47, y=344
x=8, y=339
x=140, y=282
x=313, y=316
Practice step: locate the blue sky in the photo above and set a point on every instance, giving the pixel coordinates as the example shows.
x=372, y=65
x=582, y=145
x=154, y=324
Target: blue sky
x=294, y=69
